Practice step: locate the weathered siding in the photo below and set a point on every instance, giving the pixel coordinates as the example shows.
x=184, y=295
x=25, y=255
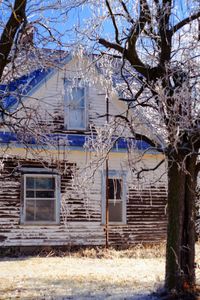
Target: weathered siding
x=146, y=219
x=47, y=100
x=77, y=230
x=80, y=220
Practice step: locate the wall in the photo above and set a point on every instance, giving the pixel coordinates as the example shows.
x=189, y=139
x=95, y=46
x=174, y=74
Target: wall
x=81, y=225
x=47, y=101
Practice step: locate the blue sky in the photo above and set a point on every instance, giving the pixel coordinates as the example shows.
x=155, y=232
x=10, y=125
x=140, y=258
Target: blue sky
x=75, y=17
x=78, y=17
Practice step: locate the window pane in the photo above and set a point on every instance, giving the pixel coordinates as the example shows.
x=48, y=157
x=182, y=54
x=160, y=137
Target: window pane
x=44, y=194
x=45, y=183
x=29, y=182
x=45, y=210
x=78, y=97
x=30, y=204
x=115, y=188
x=30, y=194
x=77, y=118
x=115, y=211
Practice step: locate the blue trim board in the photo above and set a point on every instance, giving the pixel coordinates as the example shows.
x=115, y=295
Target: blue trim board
x=75, y=141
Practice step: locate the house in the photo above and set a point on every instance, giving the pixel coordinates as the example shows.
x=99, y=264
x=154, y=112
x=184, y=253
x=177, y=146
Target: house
x=53, y=171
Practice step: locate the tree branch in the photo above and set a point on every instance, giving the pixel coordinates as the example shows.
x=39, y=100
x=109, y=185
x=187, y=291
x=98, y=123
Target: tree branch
x=138, y=27
x=163, y=17
x=114, y=22
x=130, y=53
x=185, y=22
x=157, y=3
x=139, y=136
x=110, y=45
x=130, y=19
x=149, y=169
x=135, y=32
x=17, y=17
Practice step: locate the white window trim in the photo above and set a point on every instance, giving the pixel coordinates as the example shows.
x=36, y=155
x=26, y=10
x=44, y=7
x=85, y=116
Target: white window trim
x=68, y=82
x=118, y=175
x=57, y=200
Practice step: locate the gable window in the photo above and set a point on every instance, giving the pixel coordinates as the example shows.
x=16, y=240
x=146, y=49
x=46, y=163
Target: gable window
x=75, y=106
x=41, y=198
x=116, y=199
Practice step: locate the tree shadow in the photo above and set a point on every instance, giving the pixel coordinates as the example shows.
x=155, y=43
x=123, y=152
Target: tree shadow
x=63, y=289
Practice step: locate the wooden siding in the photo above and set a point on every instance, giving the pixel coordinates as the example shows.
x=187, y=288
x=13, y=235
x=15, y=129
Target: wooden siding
x=48, y=100
x=80, y=221
x=146, y=219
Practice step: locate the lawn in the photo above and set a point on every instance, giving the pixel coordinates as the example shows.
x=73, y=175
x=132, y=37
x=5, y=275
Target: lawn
x=86, y=275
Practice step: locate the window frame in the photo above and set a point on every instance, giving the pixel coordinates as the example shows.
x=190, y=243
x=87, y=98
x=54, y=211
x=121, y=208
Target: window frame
x=113, y=174
x=56, y=199
x=68, y=85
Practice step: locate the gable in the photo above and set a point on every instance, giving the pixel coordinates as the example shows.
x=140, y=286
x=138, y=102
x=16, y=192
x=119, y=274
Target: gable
x=44, y=90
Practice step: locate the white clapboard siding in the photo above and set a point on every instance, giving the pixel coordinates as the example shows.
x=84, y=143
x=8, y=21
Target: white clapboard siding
x=146, y=206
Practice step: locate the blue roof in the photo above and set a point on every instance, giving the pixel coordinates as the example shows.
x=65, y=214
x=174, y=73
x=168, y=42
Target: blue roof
x=12, y=93
x=71, y=140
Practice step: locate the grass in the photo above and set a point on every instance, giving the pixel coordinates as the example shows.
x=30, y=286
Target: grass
x=85, y=274
x=136, y=251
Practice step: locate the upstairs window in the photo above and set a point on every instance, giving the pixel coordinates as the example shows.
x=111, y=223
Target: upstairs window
x=116, y=199
x=75, y=106
x=41, y=199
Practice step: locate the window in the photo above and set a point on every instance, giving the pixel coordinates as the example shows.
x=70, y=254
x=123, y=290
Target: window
x=75, y=106
x=116, y=198
x=41, y=198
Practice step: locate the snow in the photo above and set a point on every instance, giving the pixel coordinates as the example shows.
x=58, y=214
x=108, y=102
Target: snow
x=114, y=275
x=80, y=278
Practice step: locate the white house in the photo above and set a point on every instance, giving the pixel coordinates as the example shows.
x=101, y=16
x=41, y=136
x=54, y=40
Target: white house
x=51, y=194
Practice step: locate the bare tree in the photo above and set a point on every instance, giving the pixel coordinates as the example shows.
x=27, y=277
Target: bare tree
x=156, y=46
x=9, y=32
x=31, y=40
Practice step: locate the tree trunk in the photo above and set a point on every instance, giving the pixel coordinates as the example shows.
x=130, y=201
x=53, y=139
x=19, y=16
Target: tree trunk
x=180, y=270
x=7, y=39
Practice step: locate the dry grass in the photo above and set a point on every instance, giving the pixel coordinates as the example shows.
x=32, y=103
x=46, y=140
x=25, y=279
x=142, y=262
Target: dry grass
x=87, y=274
x=137, y=251
x=56, y=278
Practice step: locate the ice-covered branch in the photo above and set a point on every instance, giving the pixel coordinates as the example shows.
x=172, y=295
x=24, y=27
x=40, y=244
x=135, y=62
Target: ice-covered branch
x=150, y=169
x=17, y=17
x=185, y=22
